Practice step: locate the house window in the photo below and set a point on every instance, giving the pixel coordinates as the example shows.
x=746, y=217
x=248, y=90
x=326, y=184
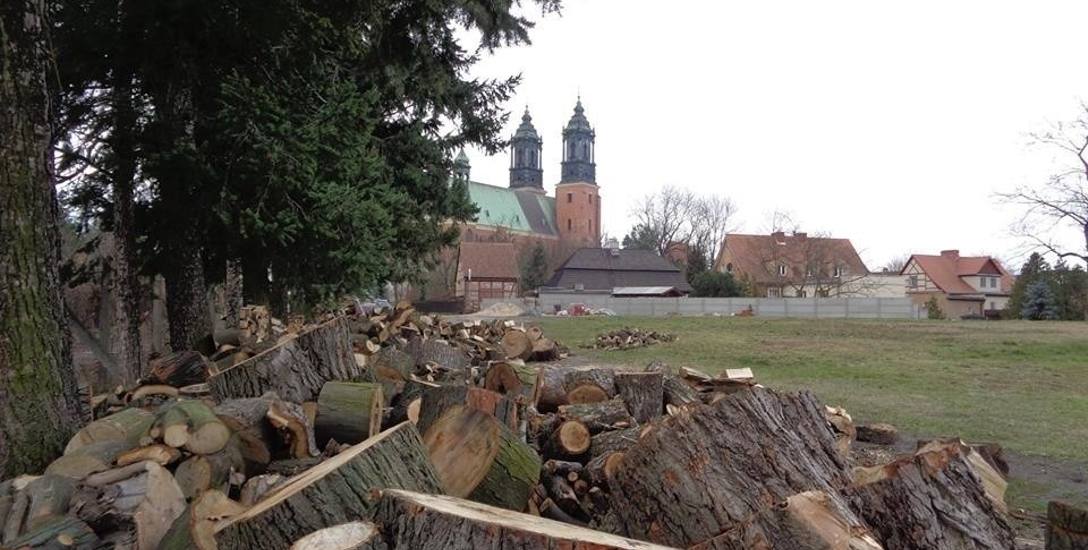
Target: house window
x=912, y=282
x=840, y=270
x=782, y=270
x=570, y=224
x=774, y=292
x=570, y=197
x=729, y=267
x=993, y=282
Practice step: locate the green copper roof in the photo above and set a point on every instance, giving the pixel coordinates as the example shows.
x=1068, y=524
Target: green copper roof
x=522, y=211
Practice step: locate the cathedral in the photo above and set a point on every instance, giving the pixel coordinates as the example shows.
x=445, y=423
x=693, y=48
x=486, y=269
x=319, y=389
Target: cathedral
x=514, y=218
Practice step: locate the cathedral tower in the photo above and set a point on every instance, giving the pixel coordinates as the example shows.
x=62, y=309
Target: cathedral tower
x=525, y=163
x=577, y=198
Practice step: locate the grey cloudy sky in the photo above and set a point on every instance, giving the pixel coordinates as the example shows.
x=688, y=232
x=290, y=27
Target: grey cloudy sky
x=889, y=123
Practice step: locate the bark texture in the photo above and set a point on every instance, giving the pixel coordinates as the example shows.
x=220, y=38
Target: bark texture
x=335, y=492
x=437, y=400
x=296, y=370
x=711, y=469
x=39, y=400
x=348, y=412
x=599, y=417
x=643, y=392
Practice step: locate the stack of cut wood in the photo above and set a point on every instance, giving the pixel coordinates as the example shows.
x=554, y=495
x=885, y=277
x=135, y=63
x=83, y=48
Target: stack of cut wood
x=300, y=446
x=627, y=338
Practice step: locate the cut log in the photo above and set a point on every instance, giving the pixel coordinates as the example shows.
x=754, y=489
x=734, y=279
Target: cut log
x=136, y=507
x=96, y=457
x=160, y=454
x=431, y=522
x=333, y=492
x=613, y=442
x=677, y=392
x=48, y=498
x=711, y=469
x=562, y=467
x=570, y=440
x=443, y=355
x=62, y=533
x=602, y=377
x=257, y=487
x=348, y=412
x=355, y=535
x=178, y=369
x=199, y=473
x=556, y=383
x=296, y=369
x=602, y=467
x=544, y=349
x=195, y=527
x=599, y=417
x=438, y=400
x=407, y=405
x=879, y=433
x=586, y=393
x=516, y=344
x=550, y=391
x=514, y=379
x=193, y=425
x=563, y=494
x=127, y=425
x=805, y=521
x=295, y=428
x=643, y=393
x=1066, y=527
x=932, y=499
x=247, y=420
x=478, y=458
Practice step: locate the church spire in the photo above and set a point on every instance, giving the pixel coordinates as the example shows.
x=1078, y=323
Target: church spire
x=461, y=166
x=579, y=141
x=526, y=171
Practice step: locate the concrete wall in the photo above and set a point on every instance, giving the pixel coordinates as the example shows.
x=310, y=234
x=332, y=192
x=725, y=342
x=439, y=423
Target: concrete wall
x=851, y=308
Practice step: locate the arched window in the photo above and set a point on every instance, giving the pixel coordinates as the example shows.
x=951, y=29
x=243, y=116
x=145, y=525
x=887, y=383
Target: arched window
x=729, y=267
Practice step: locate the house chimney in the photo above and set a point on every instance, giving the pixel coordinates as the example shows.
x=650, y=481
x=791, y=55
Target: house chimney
x=800, y=235
x=779, y=236
x=952, y=254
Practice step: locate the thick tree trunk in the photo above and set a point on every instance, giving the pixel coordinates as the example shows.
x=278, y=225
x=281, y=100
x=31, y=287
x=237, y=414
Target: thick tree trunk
x=186, y=297
x=334, y=492
x=713, y=469
x=430, y=522
x=643, y=392
x=39, y=399
x=126, y=312
x=234, y=291
x=931, y=500
x=348, y=412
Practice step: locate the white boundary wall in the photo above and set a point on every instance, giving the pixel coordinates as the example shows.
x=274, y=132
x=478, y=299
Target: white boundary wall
x=815, y=308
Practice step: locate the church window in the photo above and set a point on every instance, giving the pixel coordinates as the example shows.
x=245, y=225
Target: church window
x=570, y=197
x=570, y=224
x=590, y=199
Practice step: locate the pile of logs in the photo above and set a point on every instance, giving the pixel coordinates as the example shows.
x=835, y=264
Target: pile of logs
x=627, y=338
x=320, y=442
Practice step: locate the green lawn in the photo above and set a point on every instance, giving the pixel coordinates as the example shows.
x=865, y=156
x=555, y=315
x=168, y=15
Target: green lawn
x=1022, y=384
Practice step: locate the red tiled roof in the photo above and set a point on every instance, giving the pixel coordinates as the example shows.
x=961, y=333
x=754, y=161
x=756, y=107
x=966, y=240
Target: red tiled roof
x=754, y=255
x=492, y=260
x=946, y=271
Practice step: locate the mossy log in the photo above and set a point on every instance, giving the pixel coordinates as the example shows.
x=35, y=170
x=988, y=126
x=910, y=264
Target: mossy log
x=296, y=369
x=433, y=522
x=643, y=393
x=478, y=458
x=335, y=491
x=348, y=412
x=135, y=504
x=933, y=499
x=127, y=426
x=61, y=533
x=712, y=469
x=438, y=400
x=599, y=417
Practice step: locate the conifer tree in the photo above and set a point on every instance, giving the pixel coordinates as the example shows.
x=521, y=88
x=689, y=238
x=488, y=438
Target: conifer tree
x=1038, y=302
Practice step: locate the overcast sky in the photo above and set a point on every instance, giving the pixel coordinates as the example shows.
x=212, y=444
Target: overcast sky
x=888, y=123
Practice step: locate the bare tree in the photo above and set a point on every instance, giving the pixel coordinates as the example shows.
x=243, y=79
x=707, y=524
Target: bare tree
x=808, y=265
x=674, y=215
x=713, y=217
x=1061, y=202
x=896, y=264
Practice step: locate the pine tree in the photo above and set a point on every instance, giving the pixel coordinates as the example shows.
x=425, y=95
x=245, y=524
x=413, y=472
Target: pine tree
x=534, y=269
x=1038, y=302
x=1034, y=268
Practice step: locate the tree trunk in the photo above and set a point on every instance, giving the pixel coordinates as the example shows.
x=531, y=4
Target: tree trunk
x=233, y=289
x=186, y=297
x=334, y=492
x=39, y=399
x=931, y=500
x=478, y=458
x=430, y=522
x=643, y=392
x=599, y=417
x=713, y=469
x=348, y=412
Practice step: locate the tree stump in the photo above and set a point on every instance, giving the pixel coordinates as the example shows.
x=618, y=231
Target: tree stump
x=478, y=458
x=333, y=492
x=712, y=469
x=599, y=417
x=643, y=393
x=934, y=500
x=1066, y=527
x=514, y=379
x=296, y=369
x=348, y=412
x=438, y=400
x=570, y=440
x=516, y=344
x=433, y=522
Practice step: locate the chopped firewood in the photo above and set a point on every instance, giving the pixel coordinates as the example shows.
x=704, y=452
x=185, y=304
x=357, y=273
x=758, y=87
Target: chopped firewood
x=160, y=454
x=677, y=392
x=562, y=467
x=544, y=349
x=355, y=535
x=932, y=499
x=136, y=505
x=86, y=460
x=643, y=392
x=193, y=425
x=195, y=526
x=588, y=384
x=348, y=412
x=247, y=419
x=199, y=473
x=512, y=378
x=843, y=425
x=179, y=369
x=318, y=499
x=599, y=417
x=153, y=390
x=627, y=338
x=570, y=440
x=433, y=522
x=478, y=458
x=437, y=400
x=291, y=421
x=127, y=425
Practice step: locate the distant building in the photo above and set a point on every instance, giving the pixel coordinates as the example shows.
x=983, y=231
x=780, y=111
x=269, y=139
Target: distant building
x=795, y=265
x=606, y=269
x=963, y=285
x=484, y=270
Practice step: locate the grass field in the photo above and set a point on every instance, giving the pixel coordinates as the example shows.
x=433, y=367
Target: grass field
x=1022, y=384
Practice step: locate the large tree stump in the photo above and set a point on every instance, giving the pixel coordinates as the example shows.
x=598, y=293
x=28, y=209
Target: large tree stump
x=438, y=400
x=616, y=441
x=931, y=500
x=599, y=417
x=478, y=458
x=432, y=522
x=348, y=412
x=1066, y=527
x=516, y=344
x=643, y=393
x=127, y=425
x=135, y=504
x=711, y=469
x=514, y=379
x=296, y=369
x=333, y=492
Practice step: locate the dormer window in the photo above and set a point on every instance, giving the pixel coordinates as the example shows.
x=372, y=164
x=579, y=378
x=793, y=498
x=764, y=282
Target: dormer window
x=781, y=270
x=840, y=271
